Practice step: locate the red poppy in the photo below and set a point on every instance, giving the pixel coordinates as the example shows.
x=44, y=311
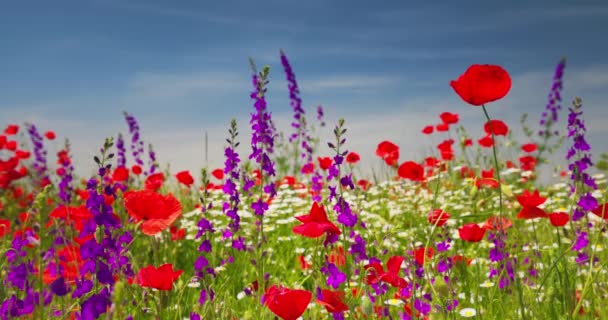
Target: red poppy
x=442, y=127
x=486, y=182
x=487, y=173
x=486, y=142
x=559, y=219
x=466, y=172
x=304, y=265
x=471, y=232
x=177, y=234
x=601, y=211
x=481, y=84
x=287, y=304
x=76, y=216
x=158, y=212
x=364, y=184
x=5, y=227
x=136, y=169
x=324, y=162
x=461, y=259
x=11, y=145
x=154, y=181
x=218, y=174
x=530, y=202
x=333, y=301
x=288, y=180
x=428, y=130
x=497, y=223
x=498, y=126
x=438, y=217
x=22, y=154
x=467, y=142
x=352, y=157
x=315, y=224
x=449, y=118
x=423, y=254
x=527, y=163
x=529, y=147
x=11, y=129
x=160, y=279
x=411, y=170
x=337, y=257
x=509, y=164
x=308, y=168
x=120, y=174
x=50, y=135
x=185, y=178
x=391, y=276
x=431, y=162
x=389, y=152
x=2, y=141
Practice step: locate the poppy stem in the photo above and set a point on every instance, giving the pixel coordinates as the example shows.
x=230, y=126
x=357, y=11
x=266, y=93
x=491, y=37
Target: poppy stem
x=496, y=167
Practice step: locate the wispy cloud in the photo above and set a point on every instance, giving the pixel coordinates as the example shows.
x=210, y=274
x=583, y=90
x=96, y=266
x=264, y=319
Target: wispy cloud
x=349, y=82
x=174, y=85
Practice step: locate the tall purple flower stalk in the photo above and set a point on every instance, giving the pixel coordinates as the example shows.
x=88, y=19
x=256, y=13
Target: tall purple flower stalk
x=65, y=184
x=579, y=157
x=152, y=162
x=202, y=266
x=550, y=115
x=40, y=163
x=121, y=158
x=299, y=120
x=230, y=188
x=137, y=145
x=104, y=255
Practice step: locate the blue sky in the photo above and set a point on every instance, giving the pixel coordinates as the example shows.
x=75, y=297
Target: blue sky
x=181, y=67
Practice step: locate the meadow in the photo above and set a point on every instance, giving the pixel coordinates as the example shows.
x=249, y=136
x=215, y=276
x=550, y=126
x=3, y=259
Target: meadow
x=285, y=231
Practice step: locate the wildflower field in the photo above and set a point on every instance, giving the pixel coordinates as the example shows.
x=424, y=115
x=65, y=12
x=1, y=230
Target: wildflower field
x=291, y=228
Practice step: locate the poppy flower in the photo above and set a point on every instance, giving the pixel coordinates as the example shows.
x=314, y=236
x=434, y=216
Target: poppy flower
x=486, y=142
x=2, y=141
x=120, y=174
x=308, y=168
x=218, y=174
x=497, y=223
x=461, y=259
x=185, y=178
x=529, y=147
x=160, y=279
x=50, y=135
x=428, y=130
x=467, y=142
x=499, y=128
x=287, y=304
x=481, y=84
x=431, y=162
x=423, y=254
x=5, y=227
x=449, y=118
x=352, y=157
x=391, y=276
x=486, y=182
x=389, y=152
x=76, y=216
x=364, y=184
x=411, y=170
x=530, y=202
x=304, y=265
x=442, y=127
x=154, y=181
x=559, y=219
x=527, y=163
x=438, y=217
x=337, y=257
x=136, y=169
x=11, y=145
x=11, y=129
x=157, y=211
x=324, y=162
x=177, y=234
x=601, y=211
x=315, y=224
x=22, y=154
x=333, y=301
x=471, y=232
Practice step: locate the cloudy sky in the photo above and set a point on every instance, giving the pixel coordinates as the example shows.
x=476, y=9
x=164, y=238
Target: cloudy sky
x=181, y=67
